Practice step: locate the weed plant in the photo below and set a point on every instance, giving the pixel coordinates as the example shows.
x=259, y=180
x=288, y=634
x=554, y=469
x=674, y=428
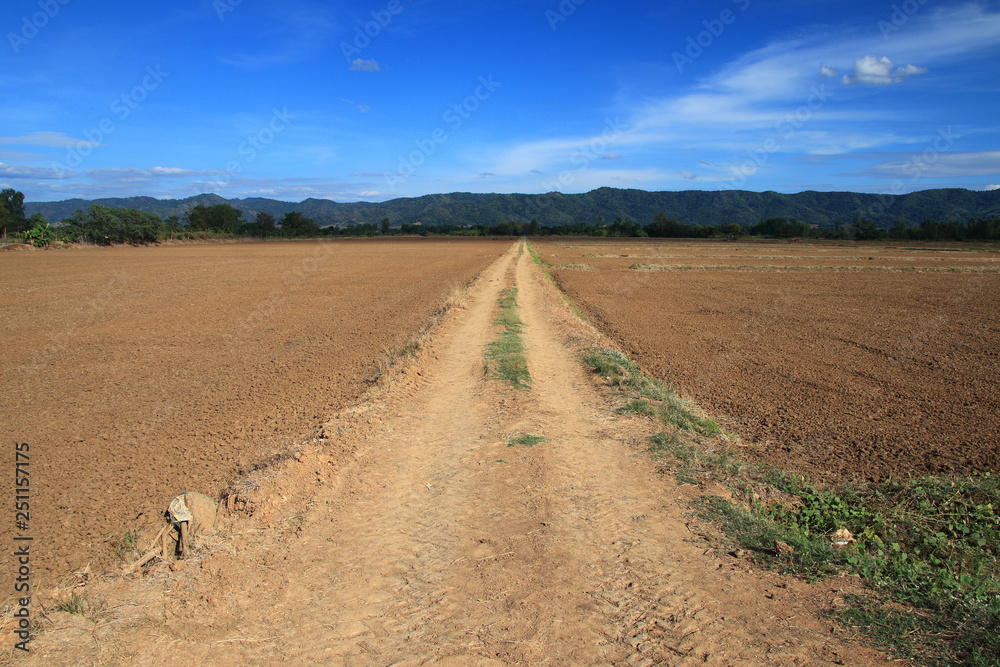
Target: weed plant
x=928, y=547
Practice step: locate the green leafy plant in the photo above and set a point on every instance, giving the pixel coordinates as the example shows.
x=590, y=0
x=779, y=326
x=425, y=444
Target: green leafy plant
x=40, y=235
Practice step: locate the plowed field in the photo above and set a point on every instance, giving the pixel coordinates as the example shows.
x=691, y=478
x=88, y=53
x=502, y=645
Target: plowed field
x=138, y=373
x=846, y=361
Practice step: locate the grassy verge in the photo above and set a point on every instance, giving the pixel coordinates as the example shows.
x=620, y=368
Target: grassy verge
x=649, y=396
x=927, y=547
x=545, y=272
x=505, y=355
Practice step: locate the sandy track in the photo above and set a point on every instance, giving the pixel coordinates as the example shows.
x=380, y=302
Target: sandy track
x=440, y=544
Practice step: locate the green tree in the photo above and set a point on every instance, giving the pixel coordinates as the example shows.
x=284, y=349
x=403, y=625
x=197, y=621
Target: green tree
x=12, y=211
x=296, y=224
x=106, y=226
x=219, y=218
x=261, y=227
x=865, y=230
x=385, y=225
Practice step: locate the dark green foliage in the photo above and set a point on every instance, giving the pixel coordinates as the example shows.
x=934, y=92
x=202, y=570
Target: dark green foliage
x=263, y=227
x=218, y=218
x=12, y=211
x=296, y=224
x=105, y=226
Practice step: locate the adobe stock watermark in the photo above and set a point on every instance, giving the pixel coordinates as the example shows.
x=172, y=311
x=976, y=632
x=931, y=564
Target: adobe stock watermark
x=30, y=26
x=254, y=145
x=901, y=14
x=363, y=35
x=562, y=13
x=454, y=116
x=121, y=107
x=714, y=28
x=784, y=129
x=588, y=152
x=223, y=7
x=915, y=168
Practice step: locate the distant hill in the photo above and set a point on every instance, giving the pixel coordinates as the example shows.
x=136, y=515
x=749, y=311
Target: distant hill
x=692, y=207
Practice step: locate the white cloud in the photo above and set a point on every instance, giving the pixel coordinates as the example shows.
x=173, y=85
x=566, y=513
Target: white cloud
x=993, y=187
x=937, y=165
x=48, y=139
x=132, y=175
x=361, y=65
x=872, y=71
x=828, y=72
x=14, y=171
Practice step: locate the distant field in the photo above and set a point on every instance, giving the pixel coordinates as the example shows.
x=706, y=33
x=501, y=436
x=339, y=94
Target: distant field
x=847, y=361
x=138, y=373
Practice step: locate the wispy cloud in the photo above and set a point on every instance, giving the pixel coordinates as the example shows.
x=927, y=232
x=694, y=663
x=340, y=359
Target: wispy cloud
x=783, y=96
x=26, y=171
x=47, y=139
x=134, y=175
x=296, y=31
x=362, y=65
x=940, y=165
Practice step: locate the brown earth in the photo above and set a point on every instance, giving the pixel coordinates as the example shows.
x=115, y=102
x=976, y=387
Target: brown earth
x=410, y=533
x=135, y=374
x=846, y=361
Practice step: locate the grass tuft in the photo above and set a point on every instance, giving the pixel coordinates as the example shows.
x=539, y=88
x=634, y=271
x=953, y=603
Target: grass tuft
x=526, y=439
x=648, y=396
x=74, y=604
x=505, y=357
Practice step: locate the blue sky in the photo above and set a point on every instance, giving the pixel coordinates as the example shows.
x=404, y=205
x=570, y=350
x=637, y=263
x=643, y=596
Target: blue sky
x=392, y=98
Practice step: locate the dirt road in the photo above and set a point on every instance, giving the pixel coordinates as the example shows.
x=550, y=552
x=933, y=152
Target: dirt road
x=438, y=543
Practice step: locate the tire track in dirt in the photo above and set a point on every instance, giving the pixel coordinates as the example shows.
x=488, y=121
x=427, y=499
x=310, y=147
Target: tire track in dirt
x=441, y=544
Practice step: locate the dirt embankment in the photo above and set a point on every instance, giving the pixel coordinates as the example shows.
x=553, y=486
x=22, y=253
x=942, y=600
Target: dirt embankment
x=846, y=361
x=138, y=373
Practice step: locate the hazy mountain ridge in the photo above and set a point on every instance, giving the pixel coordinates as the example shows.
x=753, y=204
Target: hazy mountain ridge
x=693, y=207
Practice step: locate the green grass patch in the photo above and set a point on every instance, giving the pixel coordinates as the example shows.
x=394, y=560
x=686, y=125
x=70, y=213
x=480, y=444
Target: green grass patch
x=545, y=272
x=648, y=396
x=74, y=604
x=526, y=439
x=505, y=357
x=928, y=547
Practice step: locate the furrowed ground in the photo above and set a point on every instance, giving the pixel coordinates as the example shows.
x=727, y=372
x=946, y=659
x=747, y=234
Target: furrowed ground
x=845, y=361
x=135, y=374
x=452, y=518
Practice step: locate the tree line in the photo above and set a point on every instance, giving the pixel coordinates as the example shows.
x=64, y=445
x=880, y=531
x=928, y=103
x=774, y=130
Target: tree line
x=104, y=225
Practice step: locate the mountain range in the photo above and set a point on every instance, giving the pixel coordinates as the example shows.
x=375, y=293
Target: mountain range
x=692, y=207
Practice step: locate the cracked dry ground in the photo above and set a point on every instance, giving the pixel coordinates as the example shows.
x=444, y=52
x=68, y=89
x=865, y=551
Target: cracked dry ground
x=439, y=544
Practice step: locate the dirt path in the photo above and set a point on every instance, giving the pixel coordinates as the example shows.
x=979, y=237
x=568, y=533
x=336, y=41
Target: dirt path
x=441, y=544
